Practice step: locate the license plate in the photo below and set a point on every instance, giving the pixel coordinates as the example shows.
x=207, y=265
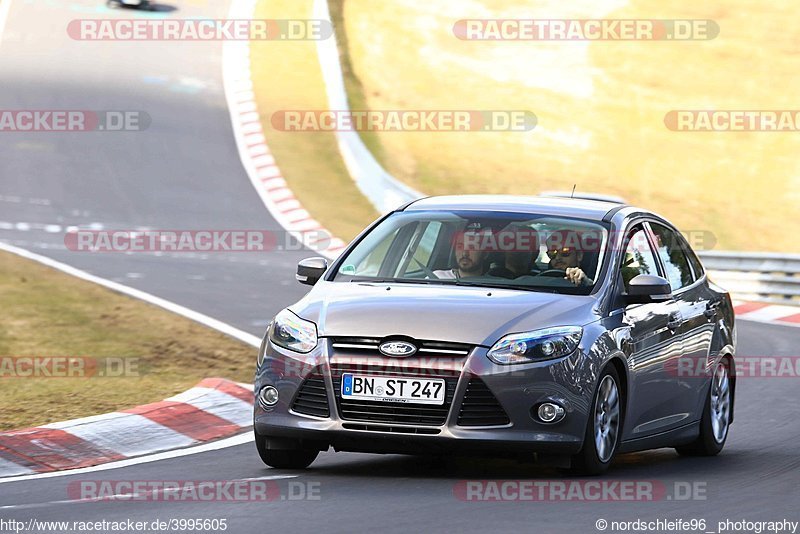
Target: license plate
x=393, y=389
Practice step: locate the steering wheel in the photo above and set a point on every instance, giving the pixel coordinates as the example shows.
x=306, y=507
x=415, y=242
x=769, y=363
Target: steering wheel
x=552, y=273
x=428, y=271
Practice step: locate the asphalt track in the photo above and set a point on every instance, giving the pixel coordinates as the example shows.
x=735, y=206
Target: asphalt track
x=184, y=173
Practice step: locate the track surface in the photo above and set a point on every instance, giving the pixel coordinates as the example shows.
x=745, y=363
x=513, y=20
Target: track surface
x=184, y=173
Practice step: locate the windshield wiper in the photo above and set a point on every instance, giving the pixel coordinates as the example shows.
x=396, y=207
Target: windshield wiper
x=541, y=289
x=394, y=280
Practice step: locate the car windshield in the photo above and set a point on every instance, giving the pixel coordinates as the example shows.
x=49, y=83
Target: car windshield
x=489, y=249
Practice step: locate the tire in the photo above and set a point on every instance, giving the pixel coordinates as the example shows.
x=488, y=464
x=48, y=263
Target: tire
x=606, y=409
x=284, y=458
x=715, y=421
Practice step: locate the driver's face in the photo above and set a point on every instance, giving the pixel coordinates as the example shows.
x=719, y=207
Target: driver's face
x=563, y=258
x=470, y=259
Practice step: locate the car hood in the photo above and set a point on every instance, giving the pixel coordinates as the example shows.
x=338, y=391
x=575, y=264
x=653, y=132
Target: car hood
x=478, y=316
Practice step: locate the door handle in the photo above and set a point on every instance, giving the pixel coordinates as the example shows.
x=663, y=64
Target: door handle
x=711, y=311
x=675, y=321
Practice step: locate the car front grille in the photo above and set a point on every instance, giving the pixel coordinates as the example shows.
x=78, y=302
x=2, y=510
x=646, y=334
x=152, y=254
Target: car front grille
x=366, y=345
x=312, y=396
x=480, y=407
x=393, y=412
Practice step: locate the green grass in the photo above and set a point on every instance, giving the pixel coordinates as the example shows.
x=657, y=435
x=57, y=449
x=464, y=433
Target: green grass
x=600, y=108
x=51, y=314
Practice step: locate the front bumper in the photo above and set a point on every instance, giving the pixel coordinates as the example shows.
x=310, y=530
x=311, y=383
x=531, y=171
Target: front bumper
x=518, y=389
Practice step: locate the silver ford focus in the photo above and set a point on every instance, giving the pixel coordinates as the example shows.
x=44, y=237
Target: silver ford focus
x=565, y=330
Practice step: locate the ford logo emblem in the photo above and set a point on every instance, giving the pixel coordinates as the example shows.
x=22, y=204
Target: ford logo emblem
x=397, y=348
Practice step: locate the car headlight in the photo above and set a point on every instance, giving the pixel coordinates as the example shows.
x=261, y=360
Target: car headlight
x=291, y=332
x=545, y=344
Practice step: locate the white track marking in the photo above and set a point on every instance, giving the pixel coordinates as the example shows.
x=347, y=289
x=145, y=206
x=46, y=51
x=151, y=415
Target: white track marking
x=13, y=469
x=232, y=441
x=198, y=317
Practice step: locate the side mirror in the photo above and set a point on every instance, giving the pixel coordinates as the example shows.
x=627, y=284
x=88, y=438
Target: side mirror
x=646, y=288
x=310, y=270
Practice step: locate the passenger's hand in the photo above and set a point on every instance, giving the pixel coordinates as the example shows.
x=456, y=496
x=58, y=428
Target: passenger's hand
x=575, y=275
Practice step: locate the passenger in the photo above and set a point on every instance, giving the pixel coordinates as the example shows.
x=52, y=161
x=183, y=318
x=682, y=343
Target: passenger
x=516, y=264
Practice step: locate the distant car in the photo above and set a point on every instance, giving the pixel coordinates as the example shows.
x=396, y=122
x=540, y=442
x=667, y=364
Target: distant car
x=573, y=329
x=141, y=4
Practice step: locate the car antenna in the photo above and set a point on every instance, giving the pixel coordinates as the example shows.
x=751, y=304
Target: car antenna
x=572, y=195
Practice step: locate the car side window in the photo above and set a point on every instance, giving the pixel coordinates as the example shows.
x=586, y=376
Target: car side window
x=671, y=250
x=638, y=258
x=422, y=242
x=697, y=267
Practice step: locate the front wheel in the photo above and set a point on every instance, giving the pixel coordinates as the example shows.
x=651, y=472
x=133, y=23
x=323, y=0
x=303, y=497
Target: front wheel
x=603, y=430
x=284, y=458
x=716, y=416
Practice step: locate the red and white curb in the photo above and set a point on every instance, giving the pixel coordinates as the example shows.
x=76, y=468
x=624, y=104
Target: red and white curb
x=214, y=409
x=767, y=313
x=256, y=157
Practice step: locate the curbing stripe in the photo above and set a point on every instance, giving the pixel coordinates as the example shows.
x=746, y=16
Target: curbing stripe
x=126, y=434
x=216, y=408
x=186, y=420
x=767, y=313
x=254, y=153
x=218, y=403
x=50, y=449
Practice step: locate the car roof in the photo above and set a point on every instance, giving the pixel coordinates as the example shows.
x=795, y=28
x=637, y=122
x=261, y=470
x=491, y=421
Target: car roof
x=568, y=207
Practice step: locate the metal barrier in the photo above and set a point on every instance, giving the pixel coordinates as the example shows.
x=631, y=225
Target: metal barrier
x=757, y=276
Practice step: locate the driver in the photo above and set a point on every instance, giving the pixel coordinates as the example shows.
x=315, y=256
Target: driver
x=470, y=257
x=564, y=254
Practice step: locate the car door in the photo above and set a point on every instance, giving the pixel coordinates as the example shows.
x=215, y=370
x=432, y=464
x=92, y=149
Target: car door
x=651, y=340
x=698, y=310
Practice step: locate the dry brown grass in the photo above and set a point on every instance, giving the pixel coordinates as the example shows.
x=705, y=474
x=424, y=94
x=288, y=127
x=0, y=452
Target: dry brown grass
x=48, y=313
x=600, y=107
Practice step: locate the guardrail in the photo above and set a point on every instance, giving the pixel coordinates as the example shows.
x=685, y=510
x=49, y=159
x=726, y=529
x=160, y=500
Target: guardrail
x=757, y=276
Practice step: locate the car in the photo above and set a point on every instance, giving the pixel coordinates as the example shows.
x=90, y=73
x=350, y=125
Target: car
x=561, y=330
x=139, y=4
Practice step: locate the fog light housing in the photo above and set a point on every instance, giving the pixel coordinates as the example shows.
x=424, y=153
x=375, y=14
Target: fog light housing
x=549, y=412
x=268, y=396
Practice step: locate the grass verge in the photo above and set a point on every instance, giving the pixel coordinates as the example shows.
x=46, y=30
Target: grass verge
x=51, y=314
x=600, y=107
